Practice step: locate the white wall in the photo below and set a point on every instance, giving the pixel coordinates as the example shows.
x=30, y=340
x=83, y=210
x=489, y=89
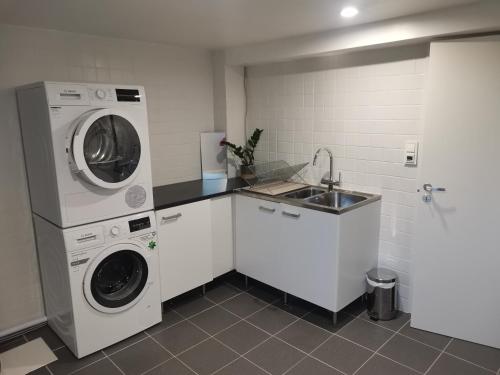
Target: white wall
x=364, y=107
x=178, y=84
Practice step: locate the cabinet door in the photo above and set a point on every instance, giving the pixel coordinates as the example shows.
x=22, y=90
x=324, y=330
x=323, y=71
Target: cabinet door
x=222, y=235
x=185, y=243
x=257, y=239
x=308, y=253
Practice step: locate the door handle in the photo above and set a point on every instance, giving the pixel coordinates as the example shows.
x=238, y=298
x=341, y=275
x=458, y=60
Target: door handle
x=267, y=209
x=290, y=214
x=429, y=188
x=172, y=217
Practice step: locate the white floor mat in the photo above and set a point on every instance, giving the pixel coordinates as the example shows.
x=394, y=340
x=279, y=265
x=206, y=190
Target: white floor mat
x=27, y=357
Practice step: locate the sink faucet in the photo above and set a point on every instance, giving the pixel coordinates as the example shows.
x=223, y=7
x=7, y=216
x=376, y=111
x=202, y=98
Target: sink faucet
x=327, y=181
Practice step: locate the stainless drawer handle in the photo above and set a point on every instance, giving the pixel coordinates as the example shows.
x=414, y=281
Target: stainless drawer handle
x=291, y=214
x=267, y=209
x=172, y=217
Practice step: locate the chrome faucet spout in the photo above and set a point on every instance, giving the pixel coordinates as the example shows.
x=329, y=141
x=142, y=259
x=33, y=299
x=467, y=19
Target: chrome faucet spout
x=327, y=181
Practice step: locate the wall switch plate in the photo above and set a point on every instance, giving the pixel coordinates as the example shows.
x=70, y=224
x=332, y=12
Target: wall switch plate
x=411, y=153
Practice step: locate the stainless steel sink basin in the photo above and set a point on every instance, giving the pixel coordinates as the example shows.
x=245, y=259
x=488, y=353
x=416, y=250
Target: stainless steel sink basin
x=304, y=193
x=335, y=199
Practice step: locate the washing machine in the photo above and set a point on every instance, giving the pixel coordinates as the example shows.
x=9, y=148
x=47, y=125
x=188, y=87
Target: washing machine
x=100, y=281
x=86, y=150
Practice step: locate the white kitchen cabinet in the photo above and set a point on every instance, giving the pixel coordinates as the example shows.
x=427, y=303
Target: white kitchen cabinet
x=222, y=235
x=257, y=239
x=309, y=241
x=185, y=247
x=317, y=256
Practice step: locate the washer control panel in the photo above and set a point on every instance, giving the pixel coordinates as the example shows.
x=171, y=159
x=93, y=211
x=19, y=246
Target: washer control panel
x=102, y=94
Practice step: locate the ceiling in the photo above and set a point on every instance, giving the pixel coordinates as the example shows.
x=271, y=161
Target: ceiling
x=205, y=23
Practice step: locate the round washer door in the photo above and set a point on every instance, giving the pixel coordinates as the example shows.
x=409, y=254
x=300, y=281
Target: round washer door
x=106, y=148
x=117, y=278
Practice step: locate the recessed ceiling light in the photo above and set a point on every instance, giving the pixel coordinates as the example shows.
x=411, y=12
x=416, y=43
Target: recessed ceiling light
x=349, y=12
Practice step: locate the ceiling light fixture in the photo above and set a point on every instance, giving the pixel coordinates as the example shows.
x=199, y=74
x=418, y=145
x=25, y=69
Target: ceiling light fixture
x=349, y=12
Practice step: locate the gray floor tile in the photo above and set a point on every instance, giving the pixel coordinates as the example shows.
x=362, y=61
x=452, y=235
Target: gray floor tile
x=125, y=343
x=140, y=357
x=169, y=318
x=190, y=304
x=271, y=319
x=410, y=353
x=214, y=320
x=67, y=362
x=180, y=337
x=304, y=335
x=242, y=337
x=401, y=319
x=11, y=344
x=171, y=367
x=265, y=292
x=482, y=355
x=221, y=291
x=382, y=366
x=323, y=318
x=102, y=367
x=40, y=371
x=243, y=305
x=311, y=366
x=207, y=357
x=342, y=354
x=241, y=367
x=295, y=306
x=448, y=365
x=429, y=338
x=365, y=334
x=275, y=356
x=46, y=333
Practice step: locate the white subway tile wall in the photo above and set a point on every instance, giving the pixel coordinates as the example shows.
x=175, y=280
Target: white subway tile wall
x=178, y=84
x=363, y=107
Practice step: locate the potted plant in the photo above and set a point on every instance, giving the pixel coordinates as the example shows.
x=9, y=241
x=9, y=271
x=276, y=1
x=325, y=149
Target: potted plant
x=245, y=153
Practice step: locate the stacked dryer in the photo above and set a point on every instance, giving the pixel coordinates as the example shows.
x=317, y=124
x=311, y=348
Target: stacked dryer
x=87, y=156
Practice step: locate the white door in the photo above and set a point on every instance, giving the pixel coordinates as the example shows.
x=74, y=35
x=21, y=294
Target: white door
x=457, y=254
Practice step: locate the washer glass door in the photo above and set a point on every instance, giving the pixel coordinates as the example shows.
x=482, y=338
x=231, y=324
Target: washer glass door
x=112, y=148
x=119, y=279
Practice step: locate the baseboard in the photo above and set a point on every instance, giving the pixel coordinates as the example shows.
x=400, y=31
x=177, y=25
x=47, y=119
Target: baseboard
x=21, y=329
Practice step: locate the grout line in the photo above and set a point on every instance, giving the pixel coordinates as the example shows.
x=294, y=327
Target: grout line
x=172, y=354
x=439, y=356
x=88, y=364
x=380, y=347
x=113, y=362
x=319, y=360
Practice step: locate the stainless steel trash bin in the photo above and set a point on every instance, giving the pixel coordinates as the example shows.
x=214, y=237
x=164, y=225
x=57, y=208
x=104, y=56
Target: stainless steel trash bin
x=381, y=289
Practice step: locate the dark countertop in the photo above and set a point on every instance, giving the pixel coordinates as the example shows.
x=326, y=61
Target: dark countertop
x=192, y=191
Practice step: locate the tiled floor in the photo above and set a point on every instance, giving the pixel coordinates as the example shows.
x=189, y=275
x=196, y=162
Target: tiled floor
x=233, y=330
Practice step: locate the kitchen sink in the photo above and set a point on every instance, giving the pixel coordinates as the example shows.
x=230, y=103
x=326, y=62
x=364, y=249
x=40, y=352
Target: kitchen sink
x=304, y=193
x=335, y=199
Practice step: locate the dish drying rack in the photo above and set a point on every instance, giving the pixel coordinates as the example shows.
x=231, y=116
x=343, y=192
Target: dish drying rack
x=274, y=178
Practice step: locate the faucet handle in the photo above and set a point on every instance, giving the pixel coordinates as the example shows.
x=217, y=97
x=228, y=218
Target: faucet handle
x=339, y=181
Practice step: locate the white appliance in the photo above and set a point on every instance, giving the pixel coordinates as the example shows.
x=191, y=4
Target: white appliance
x=100, y=281
x=87, y=151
